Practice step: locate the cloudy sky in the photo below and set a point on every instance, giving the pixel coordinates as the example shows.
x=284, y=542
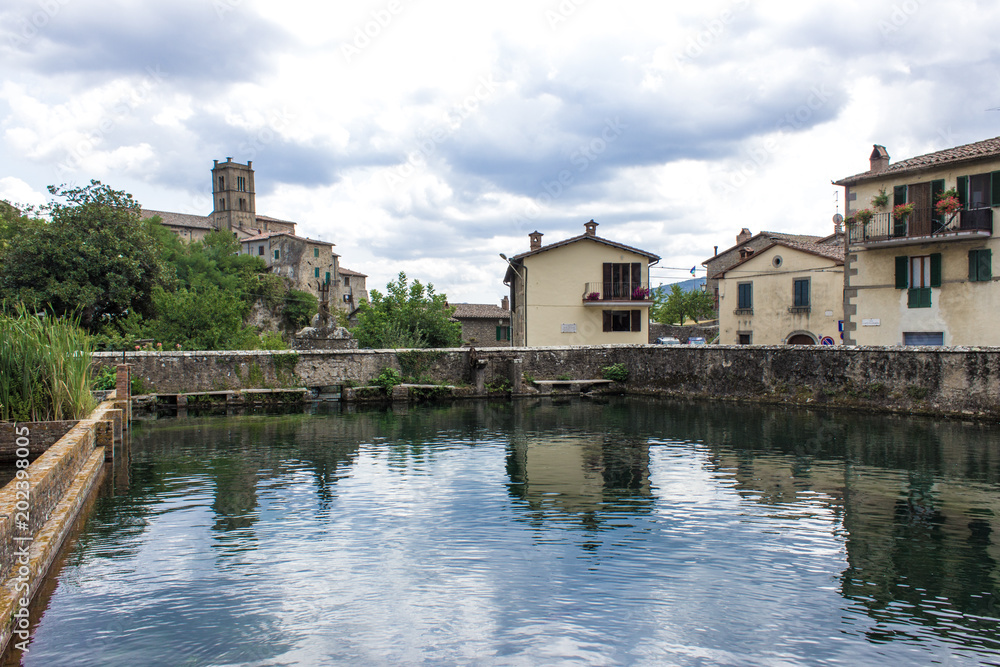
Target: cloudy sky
x=430, y=135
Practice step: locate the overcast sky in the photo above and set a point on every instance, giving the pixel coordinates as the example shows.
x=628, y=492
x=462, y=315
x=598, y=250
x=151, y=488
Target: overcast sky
x=430, y=135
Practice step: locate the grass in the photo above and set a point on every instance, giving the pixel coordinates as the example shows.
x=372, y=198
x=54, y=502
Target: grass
x=45, y=369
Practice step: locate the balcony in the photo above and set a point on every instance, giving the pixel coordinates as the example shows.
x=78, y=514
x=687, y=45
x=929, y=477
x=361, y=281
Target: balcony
x=618, y=293
x=924, y=225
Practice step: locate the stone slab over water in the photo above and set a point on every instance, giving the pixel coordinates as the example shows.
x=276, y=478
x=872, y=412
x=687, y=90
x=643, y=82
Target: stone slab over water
x=631, y=531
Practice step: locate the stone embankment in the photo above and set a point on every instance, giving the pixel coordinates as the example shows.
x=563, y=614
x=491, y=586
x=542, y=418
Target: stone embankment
x=929, y=380
x=56, y=466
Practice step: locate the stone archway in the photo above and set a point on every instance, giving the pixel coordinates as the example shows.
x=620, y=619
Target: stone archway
x=800, y=338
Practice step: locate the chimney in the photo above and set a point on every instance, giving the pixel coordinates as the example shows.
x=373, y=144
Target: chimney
x=743, y=236
x=505, y=303
x=535, y=238
x=590, y=228
x=716, y=253
x=745, y=252
x=879, y=159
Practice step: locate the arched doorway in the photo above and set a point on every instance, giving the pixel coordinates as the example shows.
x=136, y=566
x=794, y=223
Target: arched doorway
x=801, y=339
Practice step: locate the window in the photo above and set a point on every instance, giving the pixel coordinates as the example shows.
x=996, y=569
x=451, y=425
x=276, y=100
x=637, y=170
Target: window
x=744, y=296
x=621, y=279
x=744, y=337
x=260, y=250
x=923, y=338
x=346, y=281
x=241, y=183
x=276, y=254
x=800, y=289
x=316, y=272
x=622, y=320
x=979, y=190
x=503, y=333
x=222, y=183
x=222, y=204
x=918, y=274
x=315, y=252
x=980, y=265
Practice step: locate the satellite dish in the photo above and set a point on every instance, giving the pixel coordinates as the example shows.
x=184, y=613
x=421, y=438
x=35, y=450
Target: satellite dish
x=837, y=218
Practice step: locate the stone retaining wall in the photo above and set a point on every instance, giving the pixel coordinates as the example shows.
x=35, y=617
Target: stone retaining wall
x=933, y=380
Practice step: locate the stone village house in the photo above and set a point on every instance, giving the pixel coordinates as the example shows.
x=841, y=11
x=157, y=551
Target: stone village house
x=584, y=290
x=926, y=277
x=484, y=324
x=787, y=292
x=306, y=263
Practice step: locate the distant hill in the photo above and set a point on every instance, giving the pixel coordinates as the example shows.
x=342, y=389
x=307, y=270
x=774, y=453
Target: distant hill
x=686, y=285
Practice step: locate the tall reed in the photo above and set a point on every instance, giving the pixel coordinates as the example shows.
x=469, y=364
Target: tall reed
x=44, y=368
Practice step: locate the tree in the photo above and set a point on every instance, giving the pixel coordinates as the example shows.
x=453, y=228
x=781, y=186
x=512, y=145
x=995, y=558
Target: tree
x=677, y=306
x=93, y=257
x=407, y=316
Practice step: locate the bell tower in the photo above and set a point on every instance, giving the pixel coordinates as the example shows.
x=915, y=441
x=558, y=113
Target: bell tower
x=234, y=203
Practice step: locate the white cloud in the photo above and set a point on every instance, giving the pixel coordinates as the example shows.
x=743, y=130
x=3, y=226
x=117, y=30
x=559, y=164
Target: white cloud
x=424, y=144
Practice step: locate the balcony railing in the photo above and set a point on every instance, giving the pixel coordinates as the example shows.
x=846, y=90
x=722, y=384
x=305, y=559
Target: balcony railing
x=616, y=291
x=921, y=223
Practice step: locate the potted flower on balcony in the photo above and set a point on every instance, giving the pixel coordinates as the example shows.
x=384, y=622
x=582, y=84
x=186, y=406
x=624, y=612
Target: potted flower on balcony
x=864, y=216
x=640, y=293
x=948, y=202
x=881, y=200
x=592, y=296
x=902, y=211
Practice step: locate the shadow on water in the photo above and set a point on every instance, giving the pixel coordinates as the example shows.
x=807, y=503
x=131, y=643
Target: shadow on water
x=914, y=500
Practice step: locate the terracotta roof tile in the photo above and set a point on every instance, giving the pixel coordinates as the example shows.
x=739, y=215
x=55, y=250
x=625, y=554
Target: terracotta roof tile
x=348, y=272
x=479, y=311
x=179, y=219
x=987, y=148
x=581, y=237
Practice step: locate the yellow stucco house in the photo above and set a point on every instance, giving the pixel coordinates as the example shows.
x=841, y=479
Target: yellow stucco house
x=923, y=274
x=585, y=290
x=788, y=292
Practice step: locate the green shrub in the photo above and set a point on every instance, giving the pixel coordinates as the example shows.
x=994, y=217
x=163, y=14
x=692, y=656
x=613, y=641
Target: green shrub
x=387, y=379
x=105, y=380
x=498, y=385
x=299, y=308
x=615, y=372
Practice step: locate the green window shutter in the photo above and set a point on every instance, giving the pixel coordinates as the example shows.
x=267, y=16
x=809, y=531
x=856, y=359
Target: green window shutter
x=995, y=188
x=899, y=195
x=276, y=254
x=315, y=252
x=919, y=297
x=316, y=272
x=327, y=277
x=980, y=265
x=498, y=333
x=936, y=270
x=963, y=189
x=902, y=279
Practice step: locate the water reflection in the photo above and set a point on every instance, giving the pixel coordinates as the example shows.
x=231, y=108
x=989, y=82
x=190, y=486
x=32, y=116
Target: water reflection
x=625, y=531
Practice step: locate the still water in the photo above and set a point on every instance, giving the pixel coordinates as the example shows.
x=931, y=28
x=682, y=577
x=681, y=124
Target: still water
x=626, y=532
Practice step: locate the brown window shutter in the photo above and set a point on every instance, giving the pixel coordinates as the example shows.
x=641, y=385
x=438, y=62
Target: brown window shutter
x=636, y=320
x=607, y=318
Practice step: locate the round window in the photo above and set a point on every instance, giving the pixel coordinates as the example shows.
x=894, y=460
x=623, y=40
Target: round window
x=776, y=261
